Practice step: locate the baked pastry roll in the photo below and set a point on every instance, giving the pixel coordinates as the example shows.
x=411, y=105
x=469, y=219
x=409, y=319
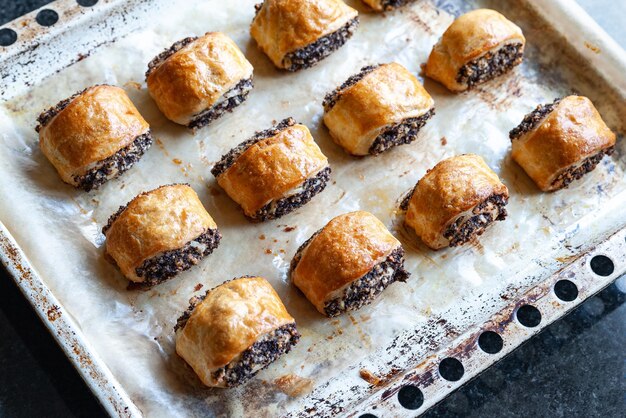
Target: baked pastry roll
x=159, y=234
x=197, y=80
x=477, y=47
x=274, y=172
x=348, y=263
x=234, y=331
x=93, y=136
x=381, y=107
x=386, y=5
x=455, y=201
x=296, y=34
x=560, y=142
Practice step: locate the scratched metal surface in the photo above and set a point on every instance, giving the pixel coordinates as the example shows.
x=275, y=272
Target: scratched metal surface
x=412, y=355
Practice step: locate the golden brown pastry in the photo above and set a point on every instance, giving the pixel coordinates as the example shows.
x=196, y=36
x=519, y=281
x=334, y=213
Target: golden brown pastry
x=560, y=142
x=455, y=201
x=274, y=172
x=234, y=331
x=159, y=234
x=296, y=34
x=93, y=136
x=381, y=107
x=386, y=5
x=348, y=263
x=477, y=47
x=197, y=80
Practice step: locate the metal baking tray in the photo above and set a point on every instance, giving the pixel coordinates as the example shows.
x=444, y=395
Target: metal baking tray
x=399, y=376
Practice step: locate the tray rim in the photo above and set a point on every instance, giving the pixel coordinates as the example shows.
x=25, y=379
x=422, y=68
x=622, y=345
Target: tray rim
x=64, y=328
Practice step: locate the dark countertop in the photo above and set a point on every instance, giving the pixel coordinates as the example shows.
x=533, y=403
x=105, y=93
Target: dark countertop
x=575, y=367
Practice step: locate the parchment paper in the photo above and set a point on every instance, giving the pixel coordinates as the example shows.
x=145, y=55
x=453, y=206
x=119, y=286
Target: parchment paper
x=59, y=227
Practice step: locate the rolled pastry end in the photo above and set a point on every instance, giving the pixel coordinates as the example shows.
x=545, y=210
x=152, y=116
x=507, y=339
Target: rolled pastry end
x=146, y=250
x=455, y=202
x=381, y=107
x=491, y=65
x=477, y=47
x=96, y=152
x=560, y=142
x=115, y=165
x=198, y=79
x=313, y=53
x=215, y=330
x=474, y=222
x=348, y=263
x=292, y=166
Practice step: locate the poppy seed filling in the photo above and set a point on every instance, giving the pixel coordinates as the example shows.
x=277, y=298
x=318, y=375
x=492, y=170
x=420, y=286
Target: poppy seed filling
x=115, y=165
x=576, y=172
x=484, y=214
x=313, y=53
x=400, y=133
x=157, y=269
x=280, y=207
x=490, y=65
x=532, y=119
x=363, y=291
x=261, y=354
x=229, y=100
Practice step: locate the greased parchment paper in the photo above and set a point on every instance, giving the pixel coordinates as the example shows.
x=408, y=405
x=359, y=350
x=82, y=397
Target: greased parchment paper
x=59, y=227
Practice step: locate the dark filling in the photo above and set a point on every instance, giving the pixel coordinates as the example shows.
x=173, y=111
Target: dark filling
x=490, y=65
x=229, y=158
x=313, y=53
x=574, y=173
x=115, y=165
x=331, y=98
x=404, y=205
x=157, y=269
x=47, y=115
x=230, y=100
x=168, y=52
x=532, y=119
x=363, y=291
x=393, y=4
x=404, y=132
x=277, y=208
x=483, y=214
x=260, y=355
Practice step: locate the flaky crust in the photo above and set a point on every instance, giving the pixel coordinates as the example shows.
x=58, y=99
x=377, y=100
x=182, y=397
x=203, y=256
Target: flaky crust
x=229, y=320
x=452, y=187
x=194, y=78
x=283, y=26
x=156, y=221
x=386, y=95
x=469, y=37
x=93, y=126
x=347, y=248
x=573, y=131
x=272, y=167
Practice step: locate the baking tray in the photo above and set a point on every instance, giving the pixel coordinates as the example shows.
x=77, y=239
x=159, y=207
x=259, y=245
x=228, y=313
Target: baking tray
x=401, y=375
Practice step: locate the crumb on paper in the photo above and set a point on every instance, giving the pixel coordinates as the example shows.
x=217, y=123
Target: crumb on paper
x=289, y=228
x=294, y=385
x=198, y=287
x=592, y=47
x=262, y=236
x=444, y=141
x=177, y=161
x=369, y=377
